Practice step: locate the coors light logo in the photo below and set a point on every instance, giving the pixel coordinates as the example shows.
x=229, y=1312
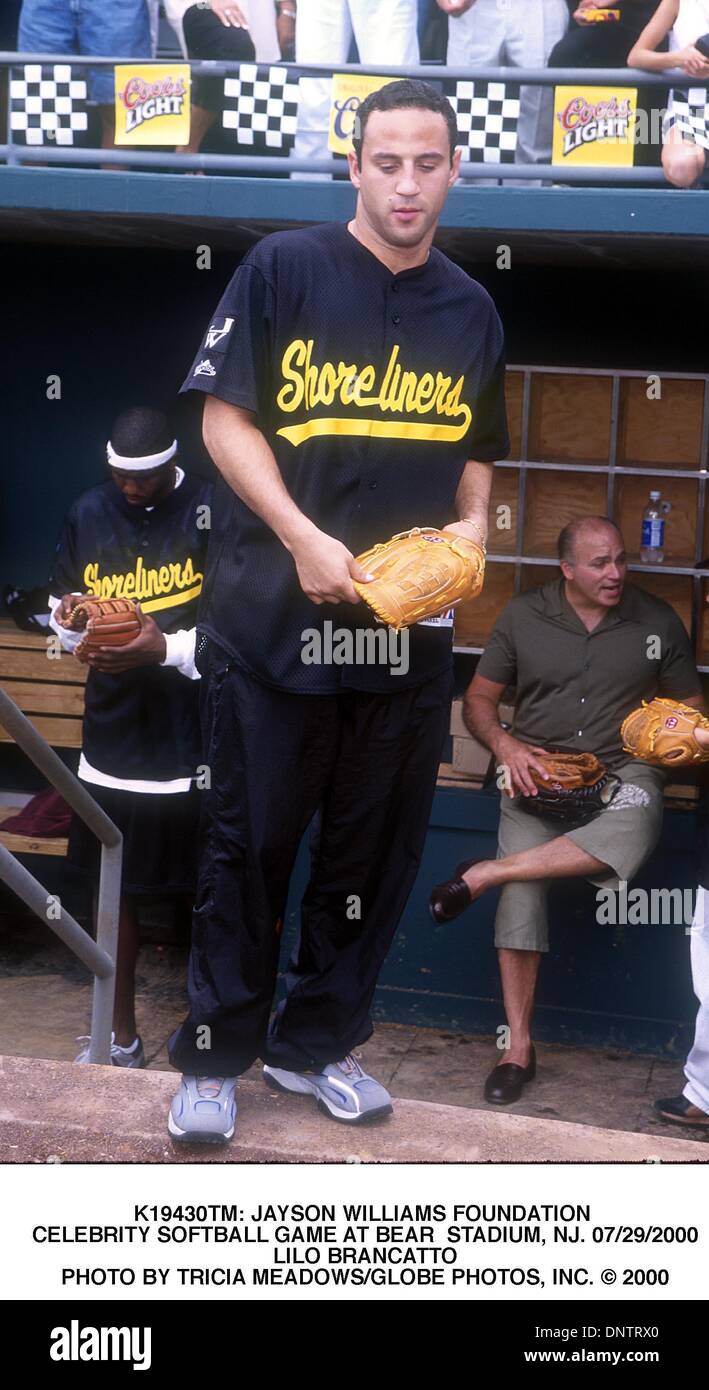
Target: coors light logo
x=585, y=122
x=143, y=100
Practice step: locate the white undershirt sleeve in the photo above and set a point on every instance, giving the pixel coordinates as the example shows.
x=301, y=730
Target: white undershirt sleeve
x=69, y=640
x=180, y=652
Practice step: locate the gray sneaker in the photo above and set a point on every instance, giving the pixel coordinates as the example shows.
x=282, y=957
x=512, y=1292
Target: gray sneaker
x=203, y=1111
x=132, y=1056
x=342, y=1090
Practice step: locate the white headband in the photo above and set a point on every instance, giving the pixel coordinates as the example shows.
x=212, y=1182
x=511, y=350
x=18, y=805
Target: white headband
x=143, y=462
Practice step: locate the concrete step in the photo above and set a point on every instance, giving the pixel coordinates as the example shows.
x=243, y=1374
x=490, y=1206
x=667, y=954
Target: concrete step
x=55, y=1111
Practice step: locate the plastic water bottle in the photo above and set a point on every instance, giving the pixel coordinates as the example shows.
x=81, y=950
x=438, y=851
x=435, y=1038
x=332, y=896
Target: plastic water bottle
x=652, y=543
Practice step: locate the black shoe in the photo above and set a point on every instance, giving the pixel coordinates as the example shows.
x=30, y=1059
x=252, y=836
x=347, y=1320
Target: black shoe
x=507, y=1081
x=678, y=1110
x=449, y=899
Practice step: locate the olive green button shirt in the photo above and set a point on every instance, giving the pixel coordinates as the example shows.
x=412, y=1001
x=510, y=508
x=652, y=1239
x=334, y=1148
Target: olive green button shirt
x=574, y=687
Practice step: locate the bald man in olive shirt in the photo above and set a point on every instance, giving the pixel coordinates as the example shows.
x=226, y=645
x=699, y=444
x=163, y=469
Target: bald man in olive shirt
x=582, y=652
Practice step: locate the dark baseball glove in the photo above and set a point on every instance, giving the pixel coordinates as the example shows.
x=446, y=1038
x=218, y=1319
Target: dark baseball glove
x=105, y=622
x=579, y=786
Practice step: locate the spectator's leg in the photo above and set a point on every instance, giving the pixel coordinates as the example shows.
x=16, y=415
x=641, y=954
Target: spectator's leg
x=682, y=159
x=534, y=27
x=121, y=31
x=206, y=37
x=322, y=35
x=387, y=26
x=477, y=39
x=697, y=1067
x=592, y=46
x=47, y=26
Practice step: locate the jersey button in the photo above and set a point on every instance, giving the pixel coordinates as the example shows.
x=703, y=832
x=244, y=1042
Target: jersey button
x=373, y=486
x=396, y=318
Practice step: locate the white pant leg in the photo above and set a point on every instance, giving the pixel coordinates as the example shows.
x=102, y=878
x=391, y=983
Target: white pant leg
x=533, y=28
x=386, y=31
x=323, y=34
x=697, y=1065
x=477, y=37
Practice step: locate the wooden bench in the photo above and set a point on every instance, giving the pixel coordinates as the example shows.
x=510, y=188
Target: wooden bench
x=50, y=691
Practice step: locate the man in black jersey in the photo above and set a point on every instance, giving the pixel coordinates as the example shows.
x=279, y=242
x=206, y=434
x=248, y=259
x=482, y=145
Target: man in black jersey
x=142, y=534
x=355, y=388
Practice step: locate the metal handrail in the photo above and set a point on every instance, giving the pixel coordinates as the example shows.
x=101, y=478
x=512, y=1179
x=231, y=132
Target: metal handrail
x=434, y=72
x=98, y=956
x=138, y=159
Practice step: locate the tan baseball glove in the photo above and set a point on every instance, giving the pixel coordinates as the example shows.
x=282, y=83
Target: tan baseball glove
x=106, y=622
x=662, y=732
x=578, y=787
x=419, y=574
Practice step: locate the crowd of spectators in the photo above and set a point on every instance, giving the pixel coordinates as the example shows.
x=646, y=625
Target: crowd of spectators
x=398, y=33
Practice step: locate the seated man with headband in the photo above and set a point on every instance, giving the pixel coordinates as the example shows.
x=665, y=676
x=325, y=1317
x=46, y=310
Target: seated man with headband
x=142, y=534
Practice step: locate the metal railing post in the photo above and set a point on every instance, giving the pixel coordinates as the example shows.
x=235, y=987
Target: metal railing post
x=107, y=921
x=98, y=956
x=11, y=147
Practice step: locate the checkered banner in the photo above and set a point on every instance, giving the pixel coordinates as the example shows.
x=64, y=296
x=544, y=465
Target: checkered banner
x=688, y=112
x=487, y=115
x=261, y=107
x=47, y=104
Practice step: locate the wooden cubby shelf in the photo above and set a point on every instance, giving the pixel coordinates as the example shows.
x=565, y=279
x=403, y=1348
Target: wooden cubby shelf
x=596, y=442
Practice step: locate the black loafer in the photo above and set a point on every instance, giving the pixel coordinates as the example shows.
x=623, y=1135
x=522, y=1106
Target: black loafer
x=678, y=1110
x=507, y=1081
x=449, y=899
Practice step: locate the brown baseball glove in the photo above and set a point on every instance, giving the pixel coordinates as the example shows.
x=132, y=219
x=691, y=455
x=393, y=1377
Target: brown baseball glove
x=578, y=787
x=662, y=732
x=106, y=622
x=419, y=574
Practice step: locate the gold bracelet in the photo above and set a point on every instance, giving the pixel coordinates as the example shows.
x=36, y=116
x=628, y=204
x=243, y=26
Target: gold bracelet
x=472, y=522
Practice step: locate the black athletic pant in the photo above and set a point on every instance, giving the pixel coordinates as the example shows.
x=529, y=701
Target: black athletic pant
x=367, y=764
x=206, y=37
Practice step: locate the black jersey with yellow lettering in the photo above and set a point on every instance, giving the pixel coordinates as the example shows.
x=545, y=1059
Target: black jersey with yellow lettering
x=139, y=724
x=373, y=389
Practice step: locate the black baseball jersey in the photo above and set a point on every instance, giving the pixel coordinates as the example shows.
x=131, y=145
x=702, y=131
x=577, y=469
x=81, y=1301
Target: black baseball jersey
x=139, y=724
x=373, y=390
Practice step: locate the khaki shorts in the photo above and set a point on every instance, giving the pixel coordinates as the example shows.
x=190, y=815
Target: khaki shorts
x=623, y=836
